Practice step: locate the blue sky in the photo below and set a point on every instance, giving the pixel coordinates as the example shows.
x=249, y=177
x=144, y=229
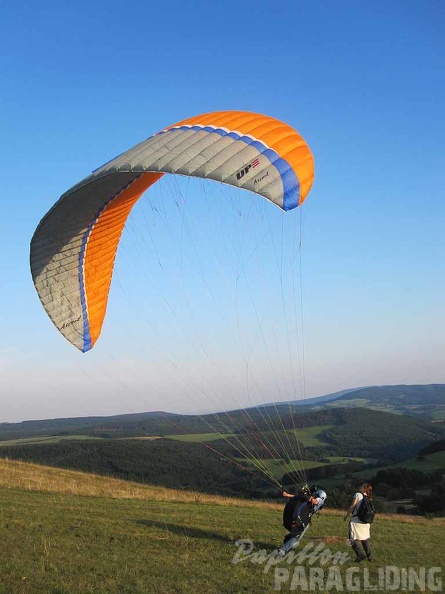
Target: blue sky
x=362, y=82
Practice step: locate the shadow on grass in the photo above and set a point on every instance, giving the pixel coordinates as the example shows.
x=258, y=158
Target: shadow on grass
x=196, y=532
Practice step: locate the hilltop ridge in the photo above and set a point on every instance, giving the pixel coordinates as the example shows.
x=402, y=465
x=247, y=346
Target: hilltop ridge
x=425, y=401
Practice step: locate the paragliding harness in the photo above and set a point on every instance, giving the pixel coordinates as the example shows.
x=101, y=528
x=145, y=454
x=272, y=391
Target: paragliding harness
x=298, y=512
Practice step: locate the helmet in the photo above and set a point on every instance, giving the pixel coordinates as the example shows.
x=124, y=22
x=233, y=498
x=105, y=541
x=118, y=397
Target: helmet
x=320, y=494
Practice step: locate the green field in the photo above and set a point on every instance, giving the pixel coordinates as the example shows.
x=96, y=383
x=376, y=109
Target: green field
x=350, y=402
x=200, y=437
x=72, y=533
x=344, y=459
x=46, y=439
x=309, y=436
x=430, y=464
x=365, y=403
x=278, y=468
x=312, y=436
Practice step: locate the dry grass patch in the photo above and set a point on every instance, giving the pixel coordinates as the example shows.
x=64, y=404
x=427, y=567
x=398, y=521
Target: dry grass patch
x=33, y=477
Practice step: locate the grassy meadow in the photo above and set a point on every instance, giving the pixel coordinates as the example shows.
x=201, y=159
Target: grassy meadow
x=68, y=532
x=47, y=439
x=429, y=463
x=309, y=436
x=200, y=437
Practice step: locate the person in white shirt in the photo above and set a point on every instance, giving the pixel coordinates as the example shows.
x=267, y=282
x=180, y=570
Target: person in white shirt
x=360, y=532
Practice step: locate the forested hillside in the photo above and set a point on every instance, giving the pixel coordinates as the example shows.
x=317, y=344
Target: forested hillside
x=159, y=462
x=332, y=442
x=375, y=434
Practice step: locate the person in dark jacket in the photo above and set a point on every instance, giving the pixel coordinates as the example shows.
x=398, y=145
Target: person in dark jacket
x=302, y=507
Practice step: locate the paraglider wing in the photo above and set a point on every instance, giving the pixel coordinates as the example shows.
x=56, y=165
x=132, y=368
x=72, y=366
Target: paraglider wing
x=74, y=247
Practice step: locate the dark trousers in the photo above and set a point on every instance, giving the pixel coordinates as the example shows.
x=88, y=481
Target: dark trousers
x=359, y=546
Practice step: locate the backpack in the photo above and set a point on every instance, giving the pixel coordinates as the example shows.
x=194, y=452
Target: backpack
x=296, y=514
x=366, y=510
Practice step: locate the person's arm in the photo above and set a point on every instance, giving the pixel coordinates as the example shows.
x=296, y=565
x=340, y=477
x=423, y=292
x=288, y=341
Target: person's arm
x=351, y=507
x=286, y=494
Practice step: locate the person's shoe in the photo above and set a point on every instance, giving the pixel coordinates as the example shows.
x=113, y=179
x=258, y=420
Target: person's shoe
x=359, y=559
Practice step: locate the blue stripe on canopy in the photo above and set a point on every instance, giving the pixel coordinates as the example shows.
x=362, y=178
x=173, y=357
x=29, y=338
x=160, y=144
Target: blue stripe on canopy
x=291, y=185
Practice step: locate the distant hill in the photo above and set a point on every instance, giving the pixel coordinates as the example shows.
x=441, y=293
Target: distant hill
x=318, y=400
x=416, y=400
x=426, y=401
x=380, y=435
x=77, y=422
x=368, y=435
x=147, y=423
x=356, y=432
x=408, y=395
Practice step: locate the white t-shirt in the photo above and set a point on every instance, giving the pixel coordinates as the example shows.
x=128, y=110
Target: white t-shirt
x=358, y=497
x=358, y=530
